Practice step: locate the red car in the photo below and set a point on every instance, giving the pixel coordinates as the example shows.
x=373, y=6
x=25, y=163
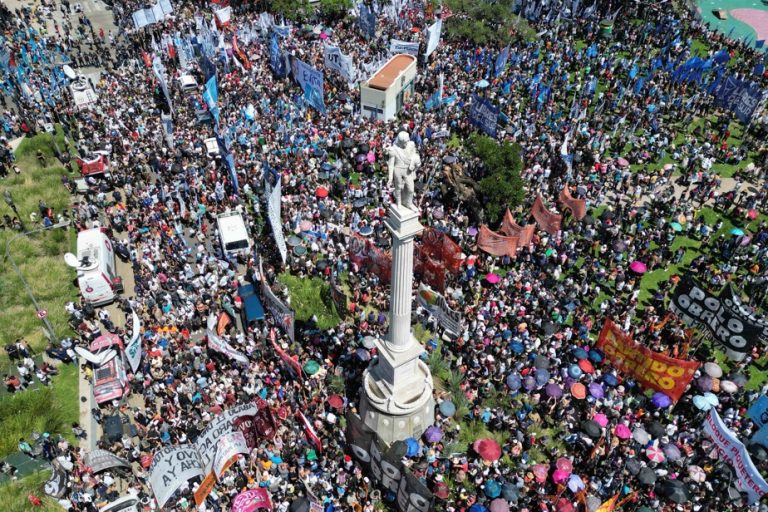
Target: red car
x=110, y=381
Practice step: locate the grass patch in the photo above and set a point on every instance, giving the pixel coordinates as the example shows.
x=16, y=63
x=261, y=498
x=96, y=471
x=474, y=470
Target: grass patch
x=14, y=495
x=39, y=256
x=50, y=409
x=311, y=297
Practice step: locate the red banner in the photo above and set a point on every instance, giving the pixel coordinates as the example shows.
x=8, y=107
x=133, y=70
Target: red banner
x=510, y=228
x=309, y=431
x=240, y=54
x=287, y=359
x=547, y=220
x=496, y=244
x=439, y=246
x=429, y=270
x=651, y=369
x=578, y=207
x=246, y=425
x=366, y=255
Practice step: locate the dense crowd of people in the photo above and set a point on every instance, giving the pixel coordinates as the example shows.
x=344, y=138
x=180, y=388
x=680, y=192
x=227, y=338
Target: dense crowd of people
x=544, y=312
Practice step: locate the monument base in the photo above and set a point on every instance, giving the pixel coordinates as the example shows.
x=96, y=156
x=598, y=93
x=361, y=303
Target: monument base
x=397, y=412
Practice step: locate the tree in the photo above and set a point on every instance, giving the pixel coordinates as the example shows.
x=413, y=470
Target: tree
x=482, y=21
x=301, y=10
x=501, y=186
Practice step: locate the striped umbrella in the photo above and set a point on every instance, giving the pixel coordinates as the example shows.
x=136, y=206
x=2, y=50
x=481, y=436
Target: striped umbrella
x=655, y=454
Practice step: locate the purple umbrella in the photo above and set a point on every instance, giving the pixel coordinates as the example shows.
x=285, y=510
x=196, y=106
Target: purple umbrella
x=596, y=390
x=661, y=400
x=529, y=383
x=553, y=391
x=433, y=434
x=472, y=231
x=704, y=383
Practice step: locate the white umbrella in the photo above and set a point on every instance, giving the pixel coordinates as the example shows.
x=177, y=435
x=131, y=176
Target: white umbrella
x=713, y=370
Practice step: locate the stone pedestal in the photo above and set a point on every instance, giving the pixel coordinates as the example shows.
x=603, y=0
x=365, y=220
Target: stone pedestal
x=396, y=398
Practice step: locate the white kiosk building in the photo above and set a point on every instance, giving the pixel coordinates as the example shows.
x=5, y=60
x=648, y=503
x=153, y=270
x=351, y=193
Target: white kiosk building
x=382, y=96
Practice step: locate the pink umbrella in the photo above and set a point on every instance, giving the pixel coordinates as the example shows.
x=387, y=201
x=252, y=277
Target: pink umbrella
x=540, y=472
x=488, y=449
x=323, y=35
x=371, y=157
x=564, y=465
x=638, y=267
x=655, y=454
x=752, y=214
x=492, y=278
x=622, y=431
x=601, y=419
x=622, y=162
x=559, y=476
x=305, y=225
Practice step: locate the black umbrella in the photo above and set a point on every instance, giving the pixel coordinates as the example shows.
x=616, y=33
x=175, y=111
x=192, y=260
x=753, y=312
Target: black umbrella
x=655, y=429
x=647, y=476
x=363, y=148
x=321, y=265
x=632, y=466
x=619, y=246
x=549, y=328
x=541, y=362
x=347, y=143
x=449, y=159
x=588, y=219
x=591, y=428
x=299, y=505
x=607, y=214
x=674, y=490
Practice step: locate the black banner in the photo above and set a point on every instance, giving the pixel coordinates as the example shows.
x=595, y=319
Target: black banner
x=695, y=305
x=386, y=468
x=338, y=298
x=733, y=303
x=56, y=486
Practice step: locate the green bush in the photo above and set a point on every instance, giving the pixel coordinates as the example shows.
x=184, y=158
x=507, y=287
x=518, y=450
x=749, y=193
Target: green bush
x=308, y=298
x=14, y=495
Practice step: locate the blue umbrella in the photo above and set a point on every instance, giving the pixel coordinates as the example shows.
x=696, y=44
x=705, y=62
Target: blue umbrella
x=517, y=347
x=661, y=400
x=477, y=508
x=412, y=447
x=542, y=376
x=580, y=353
x=510, y=492
x=513, y=381
x=701, y=403
x=492, y=489
x=595, y=356
x=574, y=371
x=610, y=380
x=447, y=408
x=482, y=84
x=737, y=231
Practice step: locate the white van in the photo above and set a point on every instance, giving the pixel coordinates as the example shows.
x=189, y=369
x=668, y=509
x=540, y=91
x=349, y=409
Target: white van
x=96, y=271
x=188, y=84
x=233, y=233
x=124, y=504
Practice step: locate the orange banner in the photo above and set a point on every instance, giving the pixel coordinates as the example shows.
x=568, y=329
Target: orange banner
x=649, y=368
x=547, y=220
x=205, y=488
x=496, y=244
x=578, y=207
x=510, y=228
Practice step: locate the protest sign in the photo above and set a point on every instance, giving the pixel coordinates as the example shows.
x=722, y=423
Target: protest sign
x=282, y=315
x=309, y=431
x=133, y=348
x=218, y=344
x=228, y=447
x=578, y=207
x=484, y=115
x=510, y=228
x=101, y=460
x=337, y=61
x=438, y=307
x=396, y=46
x=651, y=369
x=284, y=356
x=547, y=220
x=386, y=468
x=758, y=411
x=252, y=500
x=338, y=297
x=692, y=304
x=311, y=82
x=733, y=451
x=171, y=467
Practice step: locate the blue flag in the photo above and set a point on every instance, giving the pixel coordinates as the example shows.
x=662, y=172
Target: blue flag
x=501, y=61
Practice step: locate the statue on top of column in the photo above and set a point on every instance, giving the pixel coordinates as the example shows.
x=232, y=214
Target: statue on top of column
x=404, y=159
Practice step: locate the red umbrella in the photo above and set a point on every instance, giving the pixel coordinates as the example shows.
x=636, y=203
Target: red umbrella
x=540, y=472
x=563, y=505
x=336, y=402
x=321, y=192
x=586, y=366
x=488, y=449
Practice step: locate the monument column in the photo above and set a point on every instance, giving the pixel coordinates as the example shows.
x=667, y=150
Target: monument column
x=396, y=399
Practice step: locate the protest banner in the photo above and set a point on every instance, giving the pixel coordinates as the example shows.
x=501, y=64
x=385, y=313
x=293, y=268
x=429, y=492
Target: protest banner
x=547, y=220
x=251, y=500
x=367, y=256
x=338, y=297
x=433, y=36
x=100, y=460
x=484, y=115
x=292, y=363
x=496, y=244
x=438, y=245
x=733, y=451
x=510, y=228
x=385, y=467
x=309, y=431
x=133, y=349
x=218, y=344
x=171, y=467
x=228, y=447
x=693, y=304
x=650, y=369
x=758, y=411
x=578, y=207
x=438, y=307
x=274, y=216
x=246, y=425
x=221, y=424
x=282, y=315
x=734, y=305
x=311, y=82
x=429, y=270
x=337, y=61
